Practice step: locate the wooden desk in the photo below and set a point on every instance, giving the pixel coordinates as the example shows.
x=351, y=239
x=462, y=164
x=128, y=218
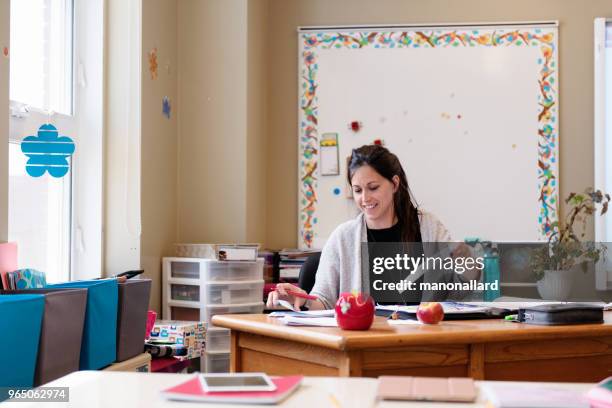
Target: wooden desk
x=101, y=389
x=482, y=349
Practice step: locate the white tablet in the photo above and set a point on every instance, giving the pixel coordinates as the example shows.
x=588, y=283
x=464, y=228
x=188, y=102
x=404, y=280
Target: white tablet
x=233, y=382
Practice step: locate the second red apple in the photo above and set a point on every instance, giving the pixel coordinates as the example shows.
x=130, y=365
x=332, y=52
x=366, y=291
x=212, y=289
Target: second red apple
x=430, y=312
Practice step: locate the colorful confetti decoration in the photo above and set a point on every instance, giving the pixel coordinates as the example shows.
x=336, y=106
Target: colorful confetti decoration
x=5, y=52
x=153, y=63
x=47, y=152
x=355, y=126
x=337, y=191
x=379, y=142
x=166, y=107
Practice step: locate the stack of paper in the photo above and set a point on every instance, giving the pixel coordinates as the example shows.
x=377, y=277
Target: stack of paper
x=321, y=318
x=507, y=395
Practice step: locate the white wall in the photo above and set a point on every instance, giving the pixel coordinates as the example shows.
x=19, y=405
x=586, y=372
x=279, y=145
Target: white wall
x=159, y=140
x=222, y=120
x=122, y=137
x=212, y=120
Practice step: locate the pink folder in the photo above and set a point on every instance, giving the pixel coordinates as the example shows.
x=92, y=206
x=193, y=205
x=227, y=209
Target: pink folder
x=8, y=260
x=191, y=390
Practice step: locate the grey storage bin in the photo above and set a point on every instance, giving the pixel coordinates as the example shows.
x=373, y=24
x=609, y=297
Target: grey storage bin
x=62, y=330
x=132, y=317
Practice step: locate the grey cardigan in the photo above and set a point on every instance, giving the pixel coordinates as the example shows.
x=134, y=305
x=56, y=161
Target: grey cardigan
x=340, y=265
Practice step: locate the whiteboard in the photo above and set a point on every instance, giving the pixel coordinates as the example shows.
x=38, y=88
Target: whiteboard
x=471, y=112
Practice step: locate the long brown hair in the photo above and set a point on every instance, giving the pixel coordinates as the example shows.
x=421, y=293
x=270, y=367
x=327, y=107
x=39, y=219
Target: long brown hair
x=388, y=165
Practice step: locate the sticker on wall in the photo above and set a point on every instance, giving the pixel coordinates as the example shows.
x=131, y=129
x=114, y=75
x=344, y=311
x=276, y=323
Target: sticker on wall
x=379, y=142
x=47, y=152
x=355, y=126
x=337, y=191
x=5, y=51
x=330, y=161
x=153, y=63
x=166, y=107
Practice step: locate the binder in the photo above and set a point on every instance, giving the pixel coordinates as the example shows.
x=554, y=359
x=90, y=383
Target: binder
x=132, y=317
x=62, y=330
x=20, y=325
x=99, y=342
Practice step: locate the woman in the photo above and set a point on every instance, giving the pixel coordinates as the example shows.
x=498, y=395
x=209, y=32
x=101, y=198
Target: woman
x=388, y=214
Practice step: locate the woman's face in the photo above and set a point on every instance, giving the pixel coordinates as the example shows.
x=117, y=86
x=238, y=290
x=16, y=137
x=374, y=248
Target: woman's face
x=373, y=195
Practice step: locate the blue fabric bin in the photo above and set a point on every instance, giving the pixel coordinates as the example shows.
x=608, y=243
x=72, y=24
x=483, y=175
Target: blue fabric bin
x=20, y=324
x=99, y=344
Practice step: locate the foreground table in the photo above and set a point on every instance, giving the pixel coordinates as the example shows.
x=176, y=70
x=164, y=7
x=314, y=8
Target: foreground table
x=93, y=389
x=482, y=349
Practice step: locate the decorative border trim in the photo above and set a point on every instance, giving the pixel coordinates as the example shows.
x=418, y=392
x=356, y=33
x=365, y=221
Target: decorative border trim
x=543, y=38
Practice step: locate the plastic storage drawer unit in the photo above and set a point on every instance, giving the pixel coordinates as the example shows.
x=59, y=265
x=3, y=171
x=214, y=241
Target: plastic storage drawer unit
x=248, y=308
x=217, y=339
x=234, y=292
x=216, y=362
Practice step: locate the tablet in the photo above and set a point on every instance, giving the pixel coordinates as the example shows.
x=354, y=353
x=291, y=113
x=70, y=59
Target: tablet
x=233, y=382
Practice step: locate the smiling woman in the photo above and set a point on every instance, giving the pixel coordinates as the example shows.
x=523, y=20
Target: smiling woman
x=388, y=214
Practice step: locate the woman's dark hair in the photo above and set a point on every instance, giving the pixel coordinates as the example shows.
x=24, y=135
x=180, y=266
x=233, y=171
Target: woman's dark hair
x=388, y=165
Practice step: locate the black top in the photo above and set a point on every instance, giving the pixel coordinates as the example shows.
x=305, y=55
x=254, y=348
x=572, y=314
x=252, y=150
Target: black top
x=392, y=234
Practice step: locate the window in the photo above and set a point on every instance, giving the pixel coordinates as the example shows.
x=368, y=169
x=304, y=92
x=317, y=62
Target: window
x=41, y=77
x=39, y=218
x=603, y=140
x=41, y=54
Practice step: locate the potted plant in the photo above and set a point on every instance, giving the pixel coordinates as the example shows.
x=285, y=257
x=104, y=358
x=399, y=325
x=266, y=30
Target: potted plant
x=553, y=264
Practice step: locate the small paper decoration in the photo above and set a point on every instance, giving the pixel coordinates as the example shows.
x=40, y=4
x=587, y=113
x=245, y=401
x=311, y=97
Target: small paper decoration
x=379, y=142
x=355, y=126
x=47, y=152
x=5, y=52
x=337, y=191
x=330, y=162
x=153, y=63
x=166, y=107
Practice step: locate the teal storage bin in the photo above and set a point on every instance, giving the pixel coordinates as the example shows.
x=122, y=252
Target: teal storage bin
x=99, y=344
x=20, y=324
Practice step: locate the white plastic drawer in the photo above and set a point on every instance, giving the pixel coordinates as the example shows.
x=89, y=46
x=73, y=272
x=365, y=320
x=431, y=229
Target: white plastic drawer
x=232, y=270
x=212, y=310
x=185, y=269
x=234, y=292
x=217, y=339
x=185, y=292
x=216, y=362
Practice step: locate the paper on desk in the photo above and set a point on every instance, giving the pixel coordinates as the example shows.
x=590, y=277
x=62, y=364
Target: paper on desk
x=449, y=308
x=514, y=306
x=401, y=322
x=303, y=314
x=313, y=321
x=502, y=395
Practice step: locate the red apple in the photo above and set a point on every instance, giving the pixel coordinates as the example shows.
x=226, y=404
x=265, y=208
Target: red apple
x=430, y=312
x=354, y=311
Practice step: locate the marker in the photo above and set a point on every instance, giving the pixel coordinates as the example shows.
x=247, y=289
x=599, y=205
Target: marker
x=302, y=295
x=511, y=318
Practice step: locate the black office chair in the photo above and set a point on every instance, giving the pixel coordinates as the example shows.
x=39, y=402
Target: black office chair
x=308, y=272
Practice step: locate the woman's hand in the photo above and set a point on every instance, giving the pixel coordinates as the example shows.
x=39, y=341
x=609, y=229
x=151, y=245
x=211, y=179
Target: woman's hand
x=282, y=293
